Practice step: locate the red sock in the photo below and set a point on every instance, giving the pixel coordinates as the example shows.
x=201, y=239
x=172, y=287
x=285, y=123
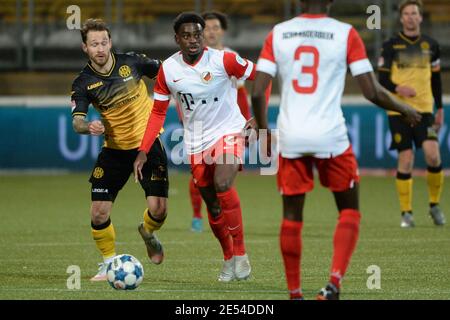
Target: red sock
x=344, y=241
x=220, y=229
x=231, y=208
x=291, y=249
x=196, y=199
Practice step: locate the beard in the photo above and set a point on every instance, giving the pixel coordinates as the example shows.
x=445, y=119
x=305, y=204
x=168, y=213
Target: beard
x=101, y=61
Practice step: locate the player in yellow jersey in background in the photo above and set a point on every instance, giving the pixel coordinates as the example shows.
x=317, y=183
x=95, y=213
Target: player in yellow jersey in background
x=113, y=84
x=409, y=66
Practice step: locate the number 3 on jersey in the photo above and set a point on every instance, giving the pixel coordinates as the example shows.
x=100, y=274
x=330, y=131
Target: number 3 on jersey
x=307, y=68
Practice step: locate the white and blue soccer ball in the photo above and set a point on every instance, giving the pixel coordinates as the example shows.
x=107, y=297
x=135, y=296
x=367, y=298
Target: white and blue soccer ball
x=125, y=272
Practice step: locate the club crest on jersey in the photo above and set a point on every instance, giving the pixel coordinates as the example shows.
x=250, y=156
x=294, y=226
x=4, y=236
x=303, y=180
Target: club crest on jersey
x=124, y=71
x=425, y=45
x=206, y=76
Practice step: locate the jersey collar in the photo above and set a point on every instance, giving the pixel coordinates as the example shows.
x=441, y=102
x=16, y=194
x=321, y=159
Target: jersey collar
x=408, y=39
x=198, y=60
x=110, y=70
x=313, y=15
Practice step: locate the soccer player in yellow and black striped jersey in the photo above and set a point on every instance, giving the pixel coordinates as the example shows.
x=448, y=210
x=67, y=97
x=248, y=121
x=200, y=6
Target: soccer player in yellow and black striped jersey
x=113, y=84
x=409, y=66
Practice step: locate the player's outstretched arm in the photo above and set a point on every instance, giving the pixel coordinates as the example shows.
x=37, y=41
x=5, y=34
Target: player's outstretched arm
x=154, y=125
x=375, y=93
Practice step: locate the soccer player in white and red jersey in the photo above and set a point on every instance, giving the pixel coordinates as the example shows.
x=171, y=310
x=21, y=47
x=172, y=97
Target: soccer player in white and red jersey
x=199, y=78
x=216, y=25
x=311, y=53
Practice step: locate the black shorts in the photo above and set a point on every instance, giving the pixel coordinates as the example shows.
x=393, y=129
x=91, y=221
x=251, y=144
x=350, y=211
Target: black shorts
x=403, y=135
x=114, y=167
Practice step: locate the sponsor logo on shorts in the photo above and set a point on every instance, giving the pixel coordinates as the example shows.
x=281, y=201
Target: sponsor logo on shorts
x=156, y=178
x=431, y=133
x=98, y=173
x=99, y=190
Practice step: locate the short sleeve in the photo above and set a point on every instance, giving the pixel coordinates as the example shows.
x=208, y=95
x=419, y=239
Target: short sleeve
x=79, y=99
x=356, y=54
x=238, y=67
x=386, y=57
x=266, y=61
x=161, y=91
x=145, y=65
x=436, y=58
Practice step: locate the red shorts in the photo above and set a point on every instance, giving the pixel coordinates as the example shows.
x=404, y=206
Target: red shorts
x=295, y=176
x=225, y=150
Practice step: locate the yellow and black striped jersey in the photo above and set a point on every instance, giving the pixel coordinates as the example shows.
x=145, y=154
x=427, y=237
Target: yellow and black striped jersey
x=120, y=96
x=410, y=62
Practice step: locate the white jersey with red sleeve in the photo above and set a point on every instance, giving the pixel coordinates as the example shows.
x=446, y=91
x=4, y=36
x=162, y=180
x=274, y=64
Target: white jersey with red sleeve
x=310, y=54
x=205, y=94
x=236, y=82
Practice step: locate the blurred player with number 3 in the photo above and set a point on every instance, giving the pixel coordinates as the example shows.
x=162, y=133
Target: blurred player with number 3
x=311, y=53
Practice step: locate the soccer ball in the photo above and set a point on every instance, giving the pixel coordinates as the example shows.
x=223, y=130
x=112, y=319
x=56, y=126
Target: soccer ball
x=125, y=272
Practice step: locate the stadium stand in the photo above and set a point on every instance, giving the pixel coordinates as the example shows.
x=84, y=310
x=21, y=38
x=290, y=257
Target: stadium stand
x=34, y=35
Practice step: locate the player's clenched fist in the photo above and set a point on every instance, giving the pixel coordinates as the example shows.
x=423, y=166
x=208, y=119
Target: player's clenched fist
x=96, y=128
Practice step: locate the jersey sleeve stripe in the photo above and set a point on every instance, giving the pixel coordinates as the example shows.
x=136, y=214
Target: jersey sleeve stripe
x=267, y=66
x=160, y=96
x=360, y=67
x=78, y=114
x=248, y=71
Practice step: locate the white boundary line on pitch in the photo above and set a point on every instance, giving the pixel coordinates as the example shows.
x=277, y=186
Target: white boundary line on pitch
x=144, y=290
x=60, y=244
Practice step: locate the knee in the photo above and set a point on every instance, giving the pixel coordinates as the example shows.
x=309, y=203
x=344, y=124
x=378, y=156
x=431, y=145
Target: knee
x=99, y=213
x=158, y=210
x=405, y=164
x=433, y=160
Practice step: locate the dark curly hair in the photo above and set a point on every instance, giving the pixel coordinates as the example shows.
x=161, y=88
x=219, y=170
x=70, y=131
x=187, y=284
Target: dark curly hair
x=187, y=17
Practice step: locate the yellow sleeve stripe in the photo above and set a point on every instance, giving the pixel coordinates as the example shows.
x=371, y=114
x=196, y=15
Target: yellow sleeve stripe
x=78, y=114
x=384, y=69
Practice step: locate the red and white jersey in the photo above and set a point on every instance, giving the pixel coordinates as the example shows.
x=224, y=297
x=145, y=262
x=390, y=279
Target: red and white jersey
x=205, y=94
x=238, y=83
x=310, y=54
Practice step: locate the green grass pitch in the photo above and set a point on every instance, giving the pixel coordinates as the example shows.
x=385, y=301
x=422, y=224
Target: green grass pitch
x=45, y=228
